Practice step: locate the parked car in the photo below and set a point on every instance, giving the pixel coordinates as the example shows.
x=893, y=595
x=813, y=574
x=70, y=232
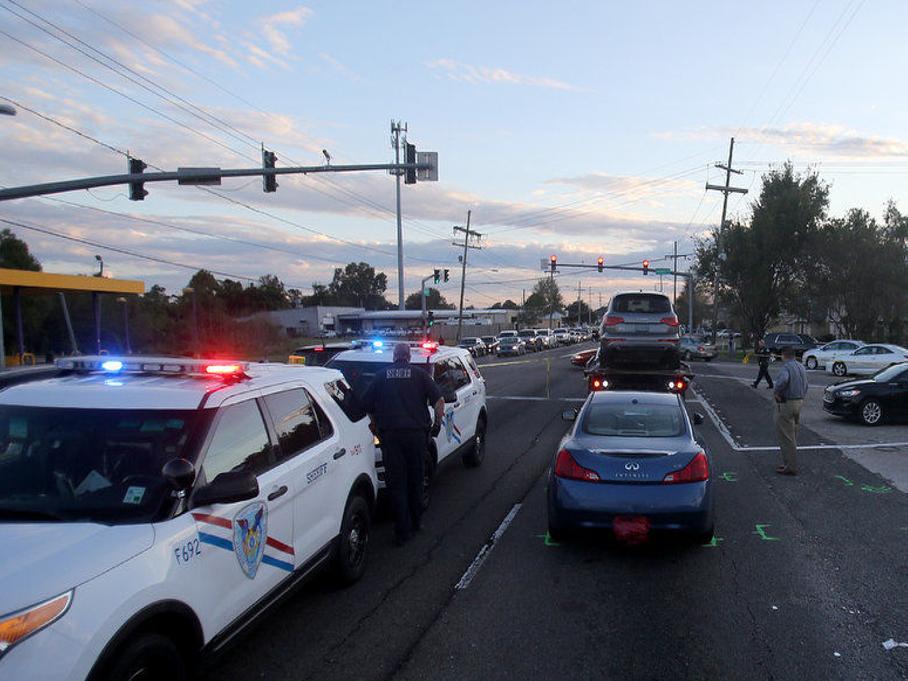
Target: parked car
x=512, y=345
x=817, y=358
x=693, y=347
x=799, y=341
x=631, y=456
x=491, y=343
x=883, y=396
x=529, y=337
x=640, y=329
x=866, y=360
x=475, y=345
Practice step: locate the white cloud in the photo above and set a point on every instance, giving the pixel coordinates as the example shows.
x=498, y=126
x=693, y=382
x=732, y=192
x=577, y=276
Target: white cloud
x=272, y=27
x=814, y=139
x=475, y=75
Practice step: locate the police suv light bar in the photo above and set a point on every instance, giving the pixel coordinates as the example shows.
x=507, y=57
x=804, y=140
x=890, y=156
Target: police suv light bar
x=154, y=365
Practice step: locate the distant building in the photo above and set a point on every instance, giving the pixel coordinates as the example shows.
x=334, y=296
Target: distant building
x=362, y=322
x=309, y=322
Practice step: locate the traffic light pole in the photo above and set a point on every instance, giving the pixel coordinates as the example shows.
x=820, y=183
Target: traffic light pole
x=422, y=298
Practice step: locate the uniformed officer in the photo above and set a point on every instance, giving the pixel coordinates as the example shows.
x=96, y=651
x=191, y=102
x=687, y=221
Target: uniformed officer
x=396, y=401
x=763, y=355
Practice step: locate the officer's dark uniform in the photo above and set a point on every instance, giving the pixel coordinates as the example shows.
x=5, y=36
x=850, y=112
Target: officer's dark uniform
x=397, y=400
x=763, y=355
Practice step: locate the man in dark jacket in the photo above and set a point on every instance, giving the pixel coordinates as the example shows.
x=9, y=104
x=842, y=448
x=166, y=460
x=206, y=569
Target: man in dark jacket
x=763, y=356
x=397, y=401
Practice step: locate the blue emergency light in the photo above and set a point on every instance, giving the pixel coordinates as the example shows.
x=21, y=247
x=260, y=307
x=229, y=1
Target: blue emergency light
x=112, y=365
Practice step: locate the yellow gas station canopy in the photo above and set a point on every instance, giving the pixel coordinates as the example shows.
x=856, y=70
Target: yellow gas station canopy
x=68, y=282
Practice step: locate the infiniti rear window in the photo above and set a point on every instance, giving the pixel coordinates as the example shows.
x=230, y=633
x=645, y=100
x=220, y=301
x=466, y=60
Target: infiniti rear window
x=633, y=420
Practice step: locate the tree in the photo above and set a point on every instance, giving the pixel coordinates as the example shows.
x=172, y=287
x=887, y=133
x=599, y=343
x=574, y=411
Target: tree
x=700, y=303
x=543, y=301
x=578, y=310
x=356, y=285
x=434, y=301
x=761, y=270
x=506, y=305
x=14, y=253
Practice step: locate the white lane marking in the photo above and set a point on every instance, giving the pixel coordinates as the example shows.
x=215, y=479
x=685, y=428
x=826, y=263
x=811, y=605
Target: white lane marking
x=505, y=364
x=487, y=549
x=535, y=399
x=723, y=430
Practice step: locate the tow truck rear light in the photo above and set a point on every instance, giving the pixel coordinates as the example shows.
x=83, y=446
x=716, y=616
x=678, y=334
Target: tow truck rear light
x=612, y=320
x=671, y=321
x=597, y=383
x=566, y=467
x=678, y=384
x=223, y=369
x=696, y=471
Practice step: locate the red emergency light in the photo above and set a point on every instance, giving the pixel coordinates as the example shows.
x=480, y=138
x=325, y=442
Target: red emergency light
x=223, y=369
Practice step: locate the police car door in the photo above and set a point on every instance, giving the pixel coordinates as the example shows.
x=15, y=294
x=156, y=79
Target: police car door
x=245, y=548
x=456, y=430
x=474, y=394
x=309, y=442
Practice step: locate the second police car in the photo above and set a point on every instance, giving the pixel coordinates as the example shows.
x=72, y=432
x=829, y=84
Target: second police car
x=466, y=419
x=152, y=508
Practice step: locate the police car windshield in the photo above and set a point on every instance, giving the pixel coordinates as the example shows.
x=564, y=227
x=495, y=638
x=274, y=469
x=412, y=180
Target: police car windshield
x=633, y=420
x=88, y=465
x=360, y=374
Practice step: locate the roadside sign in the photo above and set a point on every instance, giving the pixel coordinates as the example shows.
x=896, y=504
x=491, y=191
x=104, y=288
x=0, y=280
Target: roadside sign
x=663, y=270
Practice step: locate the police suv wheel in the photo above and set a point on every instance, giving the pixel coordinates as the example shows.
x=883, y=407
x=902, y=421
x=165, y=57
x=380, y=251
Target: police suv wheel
x=473, y=458
x=148, y=658
x=353, y=541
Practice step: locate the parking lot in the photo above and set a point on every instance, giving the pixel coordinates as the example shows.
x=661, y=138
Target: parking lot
x=805, y=578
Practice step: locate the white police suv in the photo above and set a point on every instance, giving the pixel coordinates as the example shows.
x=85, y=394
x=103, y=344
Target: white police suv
x=152, y=508
x=455, y=372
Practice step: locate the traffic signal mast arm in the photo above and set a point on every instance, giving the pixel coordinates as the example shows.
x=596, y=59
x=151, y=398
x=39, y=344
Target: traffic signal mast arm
x=198, y=176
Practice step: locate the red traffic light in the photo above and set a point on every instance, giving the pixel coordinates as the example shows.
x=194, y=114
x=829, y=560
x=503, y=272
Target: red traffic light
x=553, y=260
x=646, y=267
x=600, y=263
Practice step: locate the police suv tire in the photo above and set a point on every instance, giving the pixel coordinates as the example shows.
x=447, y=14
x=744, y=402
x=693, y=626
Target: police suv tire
x=149, y=656
x=839, y=369
x=352, y=547
x=473, y=457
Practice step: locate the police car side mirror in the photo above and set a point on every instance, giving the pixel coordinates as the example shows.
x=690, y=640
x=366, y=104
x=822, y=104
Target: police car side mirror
x=227, y=488
x=698, y=419
x=179, y=474
x=569, y=415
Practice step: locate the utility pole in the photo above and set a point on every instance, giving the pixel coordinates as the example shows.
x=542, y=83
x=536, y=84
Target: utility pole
x=726, y=190
x=579, y=303
x=674, y=258
x=396, y=129
x=467, y=233
x=590, y=298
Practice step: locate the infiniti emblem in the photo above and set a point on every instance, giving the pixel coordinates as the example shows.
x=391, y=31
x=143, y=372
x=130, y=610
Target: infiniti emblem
x=632, y=466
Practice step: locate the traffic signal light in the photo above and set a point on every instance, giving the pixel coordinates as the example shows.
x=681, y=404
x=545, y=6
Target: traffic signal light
x=431, y=317
x=136, y=189
x=436, y=276
x=600, y=263
x=553, y=261
x=269, y=182
x=410, y=157
x=645, y=267
x=447, y=274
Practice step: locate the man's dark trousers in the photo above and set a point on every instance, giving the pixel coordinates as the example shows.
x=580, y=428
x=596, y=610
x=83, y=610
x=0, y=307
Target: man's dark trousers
x=403, y=453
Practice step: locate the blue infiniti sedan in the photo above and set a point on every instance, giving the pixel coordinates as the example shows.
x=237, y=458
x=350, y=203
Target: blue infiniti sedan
x=631, y=460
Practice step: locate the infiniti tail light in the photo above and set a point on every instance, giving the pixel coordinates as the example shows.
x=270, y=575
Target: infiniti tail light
x=696, y=471
x=567, y=467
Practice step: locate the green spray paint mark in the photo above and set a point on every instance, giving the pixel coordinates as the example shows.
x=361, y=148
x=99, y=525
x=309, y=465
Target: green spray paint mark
x=881, y=489
x=547, y=539
x=729, y=477
x=761, y=530
x=713, y=543
x=845, y=480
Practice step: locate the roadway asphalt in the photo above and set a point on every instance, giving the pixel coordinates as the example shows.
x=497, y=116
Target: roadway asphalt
x=805, y=581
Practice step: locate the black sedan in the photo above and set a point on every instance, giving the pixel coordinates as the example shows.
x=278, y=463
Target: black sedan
x=871, y=400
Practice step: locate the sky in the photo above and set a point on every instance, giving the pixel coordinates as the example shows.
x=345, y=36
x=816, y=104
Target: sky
x=574, y=128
